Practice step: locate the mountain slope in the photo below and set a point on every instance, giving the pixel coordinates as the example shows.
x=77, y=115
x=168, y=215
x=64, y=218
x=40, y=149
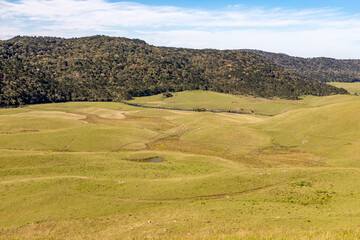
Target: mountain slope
x=100, y=68
x=320, y=69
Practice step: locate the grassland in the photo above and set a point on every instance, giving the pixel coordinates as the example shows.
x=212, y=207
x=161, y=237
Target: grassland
x=80, y=171
x=353, y=88
x=213, y=101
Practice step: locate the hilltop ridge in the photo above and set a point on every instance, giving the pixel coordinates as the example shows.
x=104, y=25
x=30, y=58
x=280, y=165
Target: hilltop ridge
x=101, y=68
x=319, y=68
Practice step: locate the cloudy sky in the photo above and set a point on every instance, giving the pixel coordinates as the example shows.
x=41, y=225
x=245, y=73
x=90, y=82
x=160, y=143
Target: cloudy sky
x=297, y=27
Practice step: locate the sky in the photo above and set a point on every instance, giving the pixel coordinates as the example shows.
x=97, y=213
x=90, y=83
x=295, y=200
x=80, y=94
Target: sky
x=296, y=27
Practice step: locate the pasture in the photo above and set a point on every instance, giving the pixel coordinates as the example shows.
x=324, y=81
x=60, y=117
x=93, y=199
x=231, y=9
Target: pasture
x=281, y=170
x=353, y=88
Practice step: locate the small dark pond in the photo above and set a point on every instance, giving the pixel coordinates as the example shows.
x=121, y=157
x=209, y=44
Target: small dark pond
x=153, y=159
x=156, y=160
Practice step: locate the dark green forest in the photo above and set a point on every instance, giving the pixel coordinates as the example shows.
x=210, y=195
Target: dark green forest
x=101, y=68
x=320, y=69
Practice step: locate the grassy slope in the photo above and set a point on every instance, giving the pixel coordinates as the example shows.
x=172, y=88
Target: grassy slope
x=242, y=104
x=351, y=87
x=72, y=173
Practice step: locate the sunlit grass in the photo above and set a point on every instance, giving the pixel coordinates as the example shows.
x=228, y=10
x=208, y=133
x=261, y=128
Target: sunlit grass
x=80, y=170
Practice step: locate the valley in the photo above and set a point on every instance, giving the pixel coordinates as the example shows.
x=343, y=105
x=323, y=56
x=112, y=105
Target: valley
x=279, y=169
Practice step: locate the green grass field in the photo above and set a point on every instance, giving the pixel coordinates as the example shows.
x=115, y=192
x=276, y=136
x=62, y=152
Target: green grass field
x=353, y=88
x=212, y=101
x=81, y=170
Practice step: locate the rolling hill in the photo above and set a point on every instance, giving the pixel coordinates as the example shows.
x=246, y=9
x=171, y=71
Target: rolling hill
x=86, y=170
x=100, y=68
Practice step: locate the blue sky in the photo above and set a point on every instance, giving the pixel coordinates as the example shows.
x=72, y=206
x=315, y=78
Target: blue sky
x=348, y=6
x=301, y=28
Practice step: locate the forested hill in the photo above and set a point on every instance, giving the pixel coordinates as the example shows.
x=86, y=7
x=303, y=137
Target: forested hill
x=100, y=68
x=321, y=68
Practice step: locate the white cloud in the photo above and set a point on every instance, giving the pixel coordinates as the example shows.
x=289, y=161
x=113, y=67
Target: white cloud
x=304, y=32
